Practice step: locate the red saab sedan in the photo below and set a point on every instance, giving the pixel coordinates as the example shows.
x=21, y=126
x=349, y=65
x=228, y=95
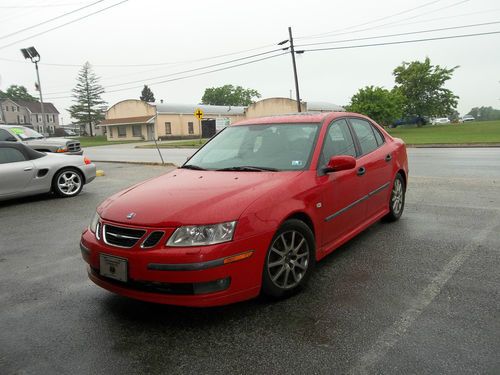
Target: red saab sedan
x=251, y=212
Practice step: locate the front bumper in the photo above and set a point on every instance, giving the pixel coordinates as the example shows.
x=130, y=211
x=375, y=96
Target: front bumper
x=194, y=276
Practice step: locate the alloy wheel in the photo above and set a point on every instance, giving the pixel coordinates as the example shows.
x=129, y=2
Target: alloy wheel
x=69, y=183
x=288, y=259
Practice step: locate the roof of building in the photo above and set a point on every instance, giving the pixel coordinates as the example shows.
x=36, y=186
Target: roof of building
x=164, y=108
x=324, y=106
x=35, y=107
x=127, y=120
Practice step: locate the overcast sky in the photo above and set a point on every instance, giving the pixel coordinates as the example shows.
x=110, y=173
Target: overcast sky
x=183, y=34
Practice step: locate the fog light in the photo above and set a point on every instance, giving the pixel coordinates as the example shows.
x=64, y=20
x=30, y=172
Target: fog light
x=211, y=286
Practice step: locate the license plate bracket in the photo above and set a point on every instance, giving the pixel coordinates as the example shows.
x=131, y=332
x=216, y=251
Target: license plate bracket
x=113, y=267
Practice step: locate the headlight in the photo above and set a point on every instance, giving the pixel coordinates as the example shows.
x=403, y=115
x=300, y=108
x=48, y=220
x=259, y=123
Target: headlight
x=200, y=235
x=62, y=149
x=94, y=222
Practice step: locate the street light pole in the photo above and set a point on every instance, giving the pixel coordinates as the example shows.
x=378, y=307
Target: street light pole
x=292, y=50
x=32, y=54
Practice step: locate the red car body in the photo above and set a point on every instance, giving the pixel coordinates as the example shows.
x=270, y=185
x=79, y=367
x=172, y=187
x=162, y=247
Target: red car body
x=336, y=206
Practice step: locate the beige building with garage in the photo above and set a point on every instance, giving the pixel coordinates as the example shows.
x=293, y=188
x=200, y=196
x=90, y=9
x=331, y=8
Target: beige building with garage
x=137, y=120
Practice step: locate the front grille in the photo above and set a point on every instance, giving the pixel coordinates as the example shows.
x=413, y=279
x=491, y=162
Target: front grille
x=122, y=237
x=152, y=239
x=74, y=147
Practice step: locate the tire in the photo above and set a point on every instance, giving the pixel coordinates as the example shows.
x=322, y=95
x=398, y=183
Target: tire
x=289, y=261
x=67, y=182
x=397, y=200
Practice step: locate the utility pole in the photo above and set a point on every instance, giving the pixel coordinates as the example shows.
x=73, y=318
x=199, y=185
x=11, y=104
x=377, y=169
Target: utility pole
x=292, y=50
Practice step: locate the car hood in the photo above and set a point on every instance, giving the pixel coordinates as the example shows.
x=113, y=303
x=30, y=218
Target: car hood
x=51, y=141
x=184, y=197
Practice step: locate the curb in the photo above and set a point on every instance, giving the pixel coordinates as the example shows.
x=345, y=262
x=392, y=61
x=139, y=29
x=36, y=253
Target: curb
x=136, y=162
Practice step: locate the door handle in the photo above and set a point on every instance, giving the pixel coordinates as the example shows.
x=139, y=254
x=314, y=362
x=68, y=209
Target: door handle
x=28, y=169
x=361, y=171
x=388, y=158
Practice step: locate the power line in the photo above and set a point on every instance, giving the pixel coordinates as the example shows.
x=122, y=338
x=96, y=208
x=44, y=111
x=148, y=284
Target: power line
x=400, y=34
x=402, y=41
x=50, y=20
x=38, y=6
x=64, y=24
x=313, y=36
x=185, y=71
x=189, y=76
x=333, y=33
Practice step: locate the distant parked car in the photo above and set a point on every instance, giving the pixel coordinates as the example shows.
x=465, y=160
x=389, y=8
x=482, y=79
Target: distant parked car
x=416, y=120
x=35, y=140
x=467, y=118
x=24, y=171
x=440, y=121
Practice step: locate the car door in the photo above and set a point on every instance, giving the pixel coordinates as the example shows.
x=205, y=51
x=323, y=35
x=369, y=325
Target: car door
x=342, y=193
x=16, y=172
x=376, y=162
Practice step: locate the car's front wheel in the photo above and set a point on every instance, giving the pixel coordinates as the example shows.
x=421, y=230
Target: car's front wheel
x=289, y=259
x=67, y=183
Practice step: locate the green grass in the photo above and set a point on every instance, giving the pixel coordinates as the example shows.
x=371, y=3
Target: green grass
x=467, y=133
x=190, y=143
x=99, y=140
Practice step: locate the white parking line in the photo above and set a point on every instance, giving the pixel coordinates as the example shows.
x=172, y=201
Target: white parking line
x=391, y=336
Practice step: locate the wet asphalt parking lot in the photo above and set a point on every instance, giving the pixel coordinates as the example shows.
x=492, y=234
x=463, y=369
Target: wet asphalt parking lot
x=419, y=296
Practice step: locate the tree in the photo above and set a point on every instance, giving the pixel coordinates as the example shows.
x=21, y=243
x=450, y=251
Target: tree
x=422, y=86
x=229, y=95
x=147, y=95
x=87, y=96
x=380, y=104
x=17, y=92
x=485, y=113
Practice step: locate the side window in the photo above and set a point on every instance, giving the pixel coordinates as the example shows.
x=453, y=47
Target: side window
x=5, y=135
x=10, y=155
x=378, y=136
x=338, y=141
x=365, y=134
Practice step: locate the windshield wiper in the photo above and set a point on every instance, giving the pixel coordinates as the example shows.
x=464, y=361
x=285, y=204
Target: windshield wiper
x=192, y=166
x=248, y=168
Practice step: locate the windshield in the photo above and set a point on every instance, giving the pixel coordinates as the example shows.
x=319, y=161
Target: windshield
x=26, y=133
x=258, y=147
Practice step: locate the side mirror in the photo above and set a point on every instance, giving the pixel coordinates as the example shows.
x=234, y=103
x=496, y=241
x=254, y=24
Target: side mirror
x=340, y=163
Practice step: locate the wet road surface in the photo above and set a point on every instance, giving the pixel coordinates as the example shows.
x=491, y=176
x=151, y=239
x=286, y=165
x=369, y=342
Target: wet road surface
x=421, y=295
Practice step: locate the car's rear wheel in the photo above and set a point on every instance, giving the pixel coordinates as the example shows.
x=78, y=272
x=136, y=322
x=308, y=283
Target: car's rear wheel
x=289, y=259
x=67, y=183
x=397, y=200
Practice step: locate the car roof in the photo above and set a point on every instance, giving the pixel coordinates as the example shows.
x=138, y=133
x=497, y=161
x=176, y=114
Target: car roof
x=292, y=118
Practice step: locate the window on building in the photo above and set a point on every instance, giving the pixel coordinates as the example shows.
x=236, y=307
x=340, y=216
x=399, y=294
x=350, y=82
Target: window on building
x=39, y=118
x=137, y=130
x=17, y=108
x=110, y=132
x=168, y=128
x=47, y=118
x=122, y=131
x=53, y=118
x=13, y=109
x=33, y=118
x=190, y=128
x=6, y=108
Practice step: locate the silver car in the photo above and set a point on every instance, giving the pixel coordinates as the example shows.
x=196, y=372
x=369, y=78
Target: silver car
x=18, y=133
x=24, y=171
